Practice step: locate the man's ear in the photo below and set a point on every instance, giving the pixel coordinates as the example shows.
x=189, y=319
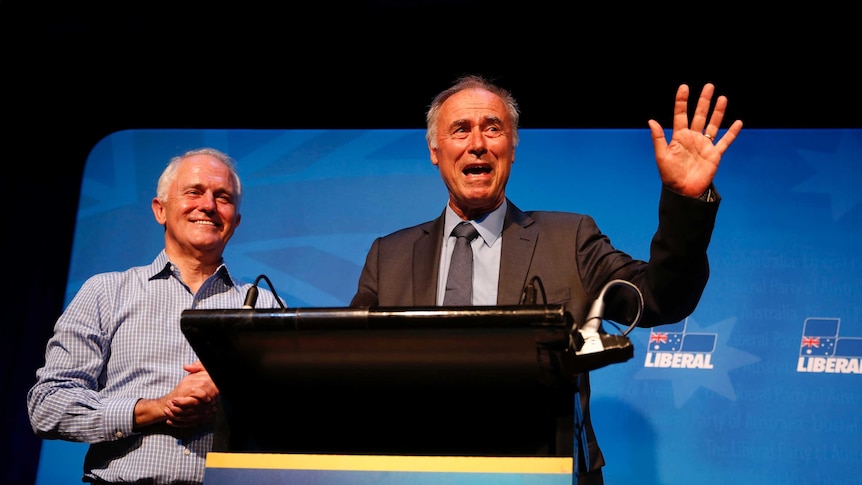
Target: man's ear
x=158, y=210
x=433, y=152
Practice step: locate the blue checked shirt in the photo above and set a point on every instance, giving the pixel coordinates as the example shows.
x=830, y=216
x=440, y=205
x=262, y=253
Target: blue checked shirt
x=119, y=340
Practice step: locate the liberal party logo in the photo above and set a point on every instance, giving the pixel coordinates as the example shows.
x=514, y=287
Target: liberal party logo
x=675, y=348
x=693, y=357
x=823, y=351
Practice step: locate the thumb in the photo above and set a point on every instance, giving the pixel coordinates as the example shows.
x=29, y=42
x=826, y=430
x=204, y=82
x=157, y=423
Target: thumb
x=195, y=366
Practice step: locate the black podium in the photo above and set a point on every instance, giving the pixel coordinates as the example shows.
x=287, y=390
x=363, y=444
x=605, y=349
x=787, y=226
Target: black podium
x=442, y=381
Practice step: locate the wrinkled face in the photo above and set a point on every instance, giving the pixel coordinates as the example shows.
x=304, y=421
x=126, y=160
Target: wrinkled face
x=475, y=151
x=200, y=215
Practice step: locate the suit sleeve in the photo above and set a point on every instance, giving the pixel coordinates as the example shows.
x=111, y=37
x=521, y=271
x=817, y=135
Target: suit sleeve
x=673, y=280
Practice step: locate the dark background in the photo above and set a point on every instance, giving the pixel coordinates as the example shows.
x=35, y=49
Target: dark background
x=73, y=73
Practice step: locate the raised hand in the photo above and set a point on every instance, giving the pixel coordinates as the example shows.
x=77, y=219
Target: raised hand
x=689, y=162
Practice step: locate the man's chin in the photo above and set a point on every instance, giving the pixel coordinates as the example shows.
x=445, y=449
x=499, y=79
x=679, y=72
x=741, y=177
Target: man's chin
x=209, y=244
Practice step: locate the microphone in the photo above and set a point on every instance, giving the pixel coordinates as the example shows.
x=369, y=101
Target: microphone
x=589, y=331
x=530, y=293
x=251, y=295
x=595, y=349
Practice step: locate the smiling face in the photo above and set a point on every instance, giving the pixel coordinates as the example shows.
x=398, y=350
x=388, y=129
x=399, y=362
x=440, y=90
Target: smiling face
x=199, y=211
x=475, y=151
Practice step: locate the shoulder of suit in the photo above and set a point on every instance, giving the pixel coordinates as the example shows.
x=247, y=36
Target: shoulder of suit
x=553, y=216
x=412, y=231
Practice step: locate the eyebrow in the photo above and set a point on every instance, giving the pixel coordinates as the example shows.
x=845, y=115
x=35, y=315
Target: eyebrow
x=487, y=120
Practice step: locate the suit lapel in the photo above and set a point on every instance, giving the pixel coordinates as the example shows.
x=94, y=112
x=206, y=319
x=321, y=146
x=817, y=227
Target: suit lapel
x=426, y=261
x=519, y=243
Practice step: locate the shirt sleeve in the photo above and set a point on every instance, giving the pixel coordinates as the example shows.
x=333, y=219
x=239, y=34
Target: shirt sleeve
x=65, y=402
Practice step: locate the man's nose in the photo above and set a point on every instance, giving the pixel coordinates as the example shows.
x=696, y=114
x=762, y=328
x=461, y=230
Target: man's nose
x=477, y=141
x=207, y=202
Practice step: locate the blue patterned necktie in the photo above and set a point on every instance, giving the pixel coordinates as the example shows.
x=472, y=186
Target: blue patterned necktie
x=459, y=284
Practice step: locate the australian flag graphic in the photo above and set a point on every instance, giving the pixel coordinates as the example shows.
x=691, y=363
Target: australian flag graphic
x=822, y=350
x=819, y=336
x=674, y=338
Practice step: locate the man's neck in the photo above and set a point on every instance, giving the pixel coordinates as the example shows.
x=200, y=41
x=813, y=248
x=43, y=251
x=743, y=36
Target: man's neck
x=195, y=269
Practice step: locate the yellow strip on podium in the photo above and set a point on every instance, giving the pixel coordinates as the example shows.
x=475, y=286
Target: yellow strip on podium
x=309, y=469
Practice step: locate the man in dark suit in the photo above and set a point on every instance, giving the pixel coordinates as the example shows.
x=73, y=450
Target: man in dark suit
x=472, y=133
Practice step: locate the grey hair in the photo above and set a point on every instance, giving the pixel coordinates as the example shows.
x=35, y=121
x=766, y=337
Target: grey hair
x=471, y=81
x=170, y=172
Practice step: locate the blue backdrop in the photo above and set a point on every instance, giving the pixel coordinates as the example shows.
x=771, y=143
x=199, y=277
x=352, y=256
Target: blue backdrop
x=761, y=384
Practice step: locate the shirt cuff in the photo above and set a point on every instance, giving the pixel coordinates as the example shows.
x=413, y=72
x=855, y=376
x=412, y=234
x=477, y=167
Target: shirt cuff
x=710, y=195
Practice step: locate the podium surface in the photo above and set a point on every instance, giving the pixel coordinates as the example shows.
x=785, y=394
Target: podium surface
x=437, y=381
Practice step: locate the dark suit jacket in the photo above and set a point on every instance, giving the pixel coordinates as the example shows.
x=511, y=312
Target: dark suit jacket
x=573, y=260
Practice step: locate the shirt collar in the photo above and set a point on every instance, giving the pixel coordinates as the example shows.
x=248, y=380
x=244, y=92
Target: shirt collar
x=162, y=267
x=490, y=226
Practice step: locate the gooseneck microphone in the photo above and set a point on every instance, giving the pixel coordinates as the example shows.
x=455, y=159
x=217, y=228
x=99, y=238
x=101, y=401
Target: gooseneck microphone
x=529, y=295
x=594, y=348
x=251, y=295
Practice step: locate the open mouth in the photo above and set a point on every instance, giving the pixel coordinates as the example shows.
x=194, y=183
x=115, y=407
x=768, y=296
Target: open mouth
x=477, y=170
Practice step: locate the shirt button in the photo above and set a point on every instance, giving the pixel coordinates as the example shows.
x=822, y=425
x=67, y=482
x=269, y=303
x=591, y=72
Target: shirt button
x=118, y=434
x=187, y=451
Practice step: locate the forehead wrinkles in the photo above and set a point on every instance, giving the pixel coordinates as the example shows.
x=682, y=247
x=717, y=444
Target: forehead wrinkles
x=203, y=176
x=473, y=105
x=204, y=172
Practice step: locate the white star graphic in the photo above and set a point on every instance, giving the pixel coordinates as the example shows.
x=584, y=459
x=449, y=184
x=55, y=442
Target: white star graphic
x=838, y=174
x=686, y=381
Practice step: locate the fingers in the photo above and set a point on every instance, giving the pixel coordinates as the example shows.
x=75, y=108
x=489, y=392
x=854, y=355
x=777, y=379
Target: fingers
x=195, y=366
x=195, y=400
x=196, y=389
x=701, y=110
x=703, y=122
x=189, y=411
x=715, y=120
x=729, y=136
x=197, y=386
x=680, y=109
x=189, y=415
x=659, y=141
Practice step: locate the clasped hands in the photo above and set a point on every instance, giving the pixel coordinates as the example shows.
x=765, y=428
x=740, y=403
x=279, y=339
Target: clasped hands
x=195, y=399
